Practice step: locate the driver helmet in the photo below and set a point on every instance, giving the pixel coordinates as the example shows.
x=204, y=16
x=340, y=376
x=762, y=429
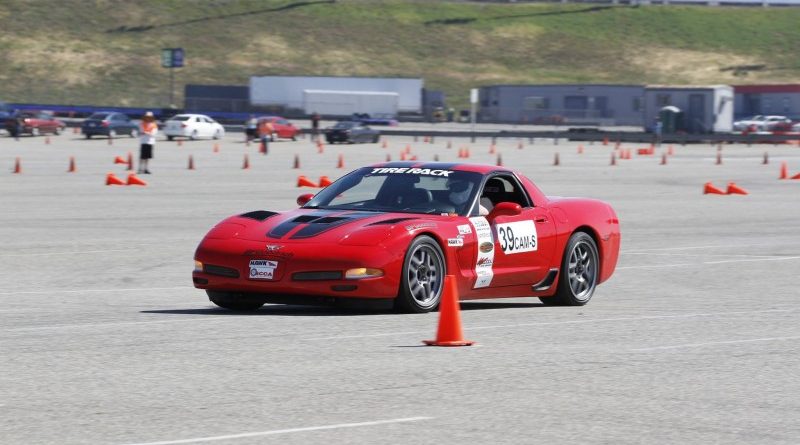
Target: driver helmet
x=459, y=190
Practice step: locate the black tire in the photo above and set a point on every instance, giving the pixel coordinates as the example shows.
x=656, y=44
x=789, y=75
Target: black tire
x=376, y=139
x=88, y=136
x=169, y=138
x=294, y=137
x=57, y=131
x=422, y=282
x=193, y=136
x=580, y=270
x=234, y=301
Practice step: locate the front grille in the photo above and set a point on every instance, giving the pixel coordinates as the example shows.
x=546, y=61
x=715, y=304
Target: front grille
x=221, y=271
x=317, y=276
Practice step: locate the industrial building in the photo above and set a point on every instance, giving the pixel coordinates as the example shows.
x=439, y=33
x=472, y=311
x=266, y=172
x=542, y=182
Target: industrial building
x=556, y=104
x=783, y=100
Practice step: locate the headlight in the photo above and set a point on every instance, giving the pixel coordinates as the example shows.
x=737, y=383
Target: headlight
x=198, y=266
x=362, y=272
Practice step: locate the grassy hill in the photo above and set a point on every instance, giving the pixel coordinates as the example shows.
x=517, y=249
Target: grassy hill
x=107, y=52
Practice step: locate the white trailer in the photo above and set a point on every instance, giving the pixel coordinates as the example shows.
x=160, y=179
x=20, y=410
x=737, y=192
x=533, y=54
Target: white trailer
x=345, y=103
x=288, y=91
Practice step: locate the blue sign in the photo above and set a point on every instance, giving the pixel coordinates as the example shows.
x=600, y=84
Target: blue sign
x=172, y=57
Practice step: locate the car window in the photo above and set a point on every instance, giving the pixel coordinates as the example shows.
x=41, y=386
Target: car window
x=98, y=116
x=501, y=188
x=181, y=118
x=283, y=122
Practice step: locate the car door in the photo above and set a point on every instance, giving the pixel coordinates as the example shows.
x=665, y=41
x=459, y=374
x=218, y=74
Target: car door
x=518, y=248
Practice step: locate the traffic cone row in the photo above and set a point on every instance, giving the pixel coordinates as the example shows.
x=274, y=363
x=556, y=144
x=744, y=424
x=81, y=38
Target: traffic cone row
x=112, y=179
x=733, y=189
x=303, y=181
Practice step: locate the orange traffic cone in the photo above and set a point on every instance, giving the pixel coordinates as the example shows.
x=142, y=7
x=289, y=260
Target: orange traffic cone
x=449, y=144
x=466, y=153
x=110, y=140
x=734, y=189
x=130, y=161
x=135, y=180
x=492, y=149
x=324, y=181
x=425, y=139
x=47, y=140
x=262, y=148
x=628, y=154
x=320, y=147
x=766, y=159
x=408, y=147
x=191, y=163
x=556, y=160
x=296, y=162
x=216, y=147
x=499, y=160
x=402, y=155
x=120, y=160
x=613, y=158
x=449, y=332
x=436, y=158
x=384, y=144
x=302, y=181
x=112, y=179
x=580, y=149
x=664, y=159
x=784, y=171
x=180, y=142
x=519, y=145
x=605, y=141
x=670, y=151
x=340, y=164
x=76, y=130
x=413, y=158
x=719, y=157
x=388, y=157
x=17, y=167
x=246, y=164
x=797, y=176
x=709, y=189
x=72, y=168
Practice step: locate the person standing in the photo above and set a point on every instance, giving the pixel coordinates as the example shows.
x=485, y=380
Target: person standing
x=265, y=130
x=250, y=128
x=315, y=125
x=148, y=130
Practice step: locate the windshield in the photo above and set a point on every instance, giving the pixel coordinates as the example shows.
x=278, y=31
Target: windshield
x=344, y=125
x=401, y=189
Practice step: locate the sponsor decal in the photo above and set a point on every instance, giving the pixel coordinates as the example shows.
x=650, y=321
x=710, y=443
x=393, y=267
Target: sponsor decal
x=455, y=242
x=262, y=269
x=517, y=237
x=485, y=259
x=422, y=225
x=464, y=229
x=411, y=171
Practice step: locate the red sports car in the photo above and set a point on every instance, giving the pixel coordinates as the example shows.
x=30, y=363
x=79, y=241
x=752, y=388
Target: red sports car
x=282, y=128
x=390, y=233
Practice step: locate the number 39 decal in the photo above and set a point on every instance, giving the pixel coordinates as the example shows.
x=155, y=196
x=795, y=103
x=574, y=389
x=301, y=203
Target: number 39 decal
x=517, y=237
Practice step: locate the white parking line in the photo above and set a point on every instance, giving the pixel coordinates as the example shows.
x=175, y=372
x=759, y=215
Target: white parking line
x=714, y=343
x=286, y=431
x=745, y=260
x=552, y=323
x=74, y=291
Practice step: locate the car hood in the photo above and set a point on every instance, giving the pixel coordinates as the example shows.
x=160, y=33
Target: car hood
x=316, y=226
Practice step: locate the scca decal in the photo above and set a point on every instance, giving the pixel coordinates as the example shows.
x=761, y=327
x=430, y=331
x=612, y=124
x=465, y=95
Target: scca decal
x=411, y=171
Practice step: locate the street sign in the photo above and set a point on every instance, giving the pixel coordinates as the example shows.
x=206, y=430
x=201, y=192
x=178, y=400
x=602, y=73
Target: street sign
x=172, y=57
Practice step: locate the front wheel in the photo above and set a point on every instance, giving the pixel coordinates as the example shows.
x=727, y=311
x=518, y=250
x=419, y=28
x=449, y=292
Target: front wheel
x=193, y=136
x=234, y=301
x=217, y=134
x=423, y=276
x=580, y=270
x=169, y=138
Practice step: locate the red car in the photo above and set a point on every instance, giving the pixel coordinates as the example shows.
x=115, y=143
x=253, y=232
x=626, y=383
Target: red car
x=33, y=123
x=282, y=128
x=391, y=232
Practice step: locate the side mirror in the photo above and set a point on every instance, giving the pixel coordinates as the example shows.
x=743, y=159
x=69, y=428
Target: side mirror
x=504, y=209
x=304, y=198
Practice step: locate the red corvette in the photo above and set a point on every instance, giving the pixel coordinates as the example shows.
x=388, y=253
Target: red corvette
x=391, y=232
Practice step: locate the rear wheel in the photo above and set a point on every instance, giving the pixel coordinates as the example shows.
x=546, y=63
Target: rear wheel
x=423, y=276
x=88, y=136
x=217, y=134
x=193, y=136
x=580, y=270
x=234, y=301
x=169, y=138
x=57, y=131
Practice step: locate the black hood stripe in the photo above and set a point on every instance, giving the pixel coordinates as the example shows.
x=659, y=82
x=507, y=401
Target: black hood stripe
x=287, y=226
x=315, y=228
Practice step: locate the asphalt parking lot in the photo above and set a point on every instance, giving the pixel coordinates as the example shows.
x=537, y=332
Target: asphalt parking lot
x=695, y=339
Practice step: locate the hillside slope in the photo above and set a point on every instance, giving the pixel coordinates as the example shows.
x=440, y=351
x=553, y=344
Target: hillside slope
x=107, y=52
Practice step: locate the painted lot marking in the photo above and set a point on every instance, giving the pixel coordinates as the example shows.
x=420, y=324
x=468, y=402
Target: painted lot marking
x=552, y=323
x=745, y=260
x=74, y=291
x=715, y=343
x=286, y=431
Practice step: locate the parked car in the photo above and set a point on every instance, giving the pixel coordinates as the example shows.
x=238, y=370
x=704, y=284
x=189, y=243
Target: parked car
x=761, y=123
x=33, y=123
x=282, y=128
x=375, y=119
x=109, y=124
x=351, y=132
x=391, y=232
x=193, y=126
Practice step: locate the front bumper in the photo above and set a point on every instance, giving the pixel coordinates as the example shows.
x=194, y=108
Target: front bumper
x=303, y=270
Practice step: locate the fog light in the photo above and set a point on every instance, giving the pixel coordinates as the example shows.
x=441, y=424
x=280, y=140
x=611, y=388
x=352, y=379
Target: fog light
x=362, y=272
x=198, y=266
